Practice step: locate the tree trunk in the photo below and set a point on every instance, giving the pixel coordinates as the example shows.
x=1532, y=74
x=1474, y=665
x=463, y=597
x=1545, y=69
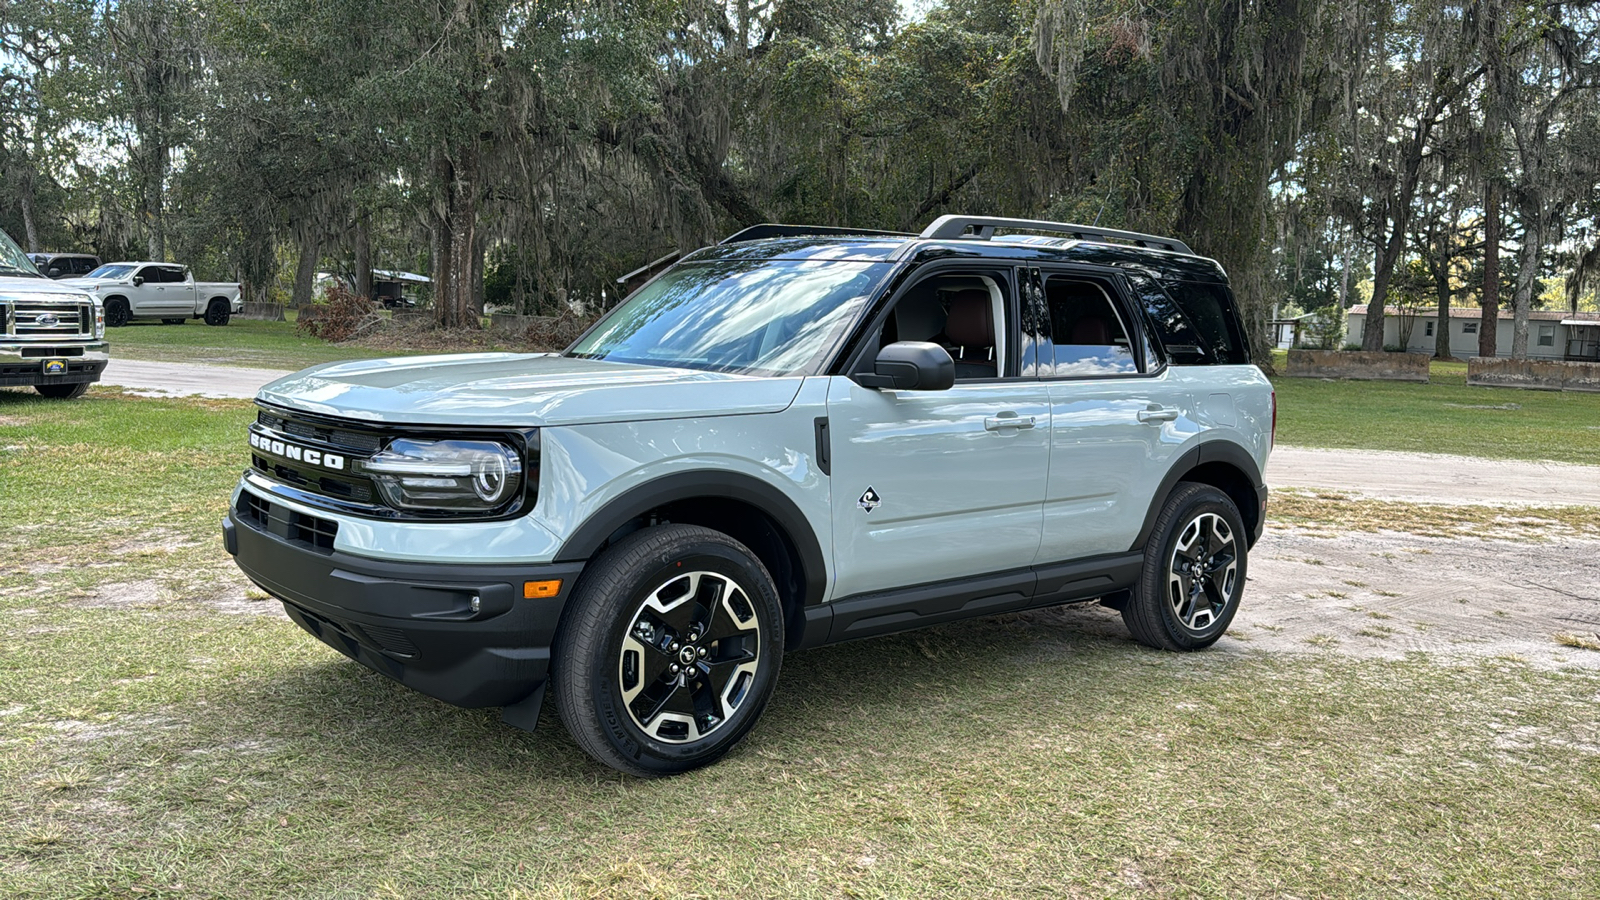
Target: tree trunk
x=1441, y=288
x=453, y=285
x=30, y=226
x=1489, y=321
x=1382, y=272
x=1527, y=275
x=363, y=253
x=305, y=273
x=155, y=188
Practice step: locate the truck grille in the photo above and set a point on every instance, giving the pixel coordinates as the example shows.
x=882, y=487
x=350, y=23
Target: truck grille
x=29, y=318
x=345, y=486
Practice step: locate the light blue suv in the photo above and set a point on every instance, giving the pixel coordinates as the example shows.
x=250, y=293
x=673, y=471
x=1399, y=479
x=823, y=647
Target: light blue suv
x=797, y=437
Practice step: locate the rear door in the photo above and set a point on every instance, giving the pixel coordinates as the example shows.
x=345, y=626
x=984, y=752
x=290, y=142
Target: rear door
x=1118, y=416
x=938, y=485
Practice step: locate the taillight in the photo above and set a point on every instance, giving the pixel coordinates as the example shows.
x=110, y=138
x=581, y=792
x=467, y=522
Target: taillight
x=1274, y=420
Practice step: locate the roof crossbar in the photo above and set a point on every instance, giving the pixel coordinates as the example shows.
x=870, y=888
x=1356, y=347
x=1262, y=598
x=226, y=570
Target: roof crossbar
x=983, y=228
x=770, y=230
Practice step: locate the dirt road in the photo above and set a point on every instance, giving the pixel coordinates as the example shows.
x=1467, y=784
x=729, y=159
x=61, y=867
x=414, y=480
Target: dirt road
x=186, y=379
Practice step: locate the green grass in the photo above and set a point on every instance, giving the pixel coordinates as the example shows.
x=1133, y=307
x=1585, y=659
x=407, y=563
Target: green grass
x=242, y=342
x=158, y=739
x=1443, y=416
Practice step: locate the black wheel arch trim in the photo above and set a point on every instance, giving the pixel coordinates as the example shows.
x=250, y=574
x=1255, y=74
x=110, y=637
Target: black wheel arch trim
x=1213, y=451
x=589, y=537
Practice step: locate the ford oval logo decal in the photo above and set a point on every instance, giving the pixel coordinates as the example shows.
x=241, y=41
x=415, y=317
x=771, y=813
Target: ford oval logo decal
x=47, y=320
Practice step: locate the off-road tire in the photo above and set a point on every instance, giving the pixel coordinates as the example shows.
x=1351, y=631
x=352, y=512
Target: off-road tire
x=217, y=312
x=1155, y=611
x=62, y=391
x=117, y=312
x=607, y=616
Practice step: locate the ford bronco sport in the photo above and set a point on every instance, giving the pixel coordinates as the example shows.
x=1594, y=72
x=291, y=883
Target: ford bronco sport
x=797, y=437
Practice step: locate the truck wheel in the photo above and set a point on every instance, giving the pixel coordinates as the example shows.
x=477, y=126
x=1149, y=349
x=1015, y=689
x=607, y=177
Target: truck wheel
x=62, y=391
x=669, y=650
x=117, y=312
x=217, y=312
x=1194, y=571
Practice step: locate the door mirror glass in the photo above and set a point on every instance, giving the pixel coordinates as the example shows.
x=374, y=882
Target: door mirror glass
x=54, y=272
x=138, y=281
x=911, y=366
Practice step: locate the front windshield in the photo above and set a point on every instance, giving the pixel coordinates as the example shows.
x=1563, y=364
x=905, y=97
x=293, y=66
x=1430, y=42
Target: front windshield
x=748, y=317
x=110, y=270
x=13, y=261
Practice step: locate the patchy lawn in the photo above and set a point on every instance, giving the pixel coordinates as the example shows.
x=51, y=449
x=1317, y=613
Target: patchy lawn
x=1443, y=416
x=166, y=732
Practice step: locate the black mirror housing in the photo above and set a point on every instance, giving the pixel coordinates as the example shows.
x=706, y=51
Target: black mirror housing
x=138, y=280
x=911, y=366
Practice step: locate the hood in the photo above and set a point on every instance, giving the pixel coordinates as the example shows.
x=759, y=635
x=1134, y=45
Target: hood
x=522, y=390
x=84, y=284
x=39, y=289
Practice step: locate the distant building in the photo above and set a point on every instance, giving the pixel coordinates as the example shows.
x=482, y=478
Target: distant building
x=1552, y=334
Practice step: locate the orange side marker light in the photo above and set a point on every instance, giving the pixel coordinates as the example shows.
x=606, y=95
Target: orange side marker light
x=538, y=590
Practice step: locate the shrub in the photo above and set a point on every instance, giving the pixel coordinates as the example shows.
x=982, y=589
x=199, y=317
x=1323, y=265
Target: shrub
x=556, y=332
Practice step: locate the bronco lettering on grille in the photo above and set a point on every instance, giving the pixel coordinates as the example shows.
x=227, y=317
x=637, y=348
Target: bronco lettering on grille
x=297, y=453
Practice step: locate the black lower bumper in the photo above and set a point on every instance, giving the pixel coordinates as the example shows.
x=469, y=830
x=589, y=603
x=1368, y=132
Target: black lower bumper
x=461, y=633
x=30, y=373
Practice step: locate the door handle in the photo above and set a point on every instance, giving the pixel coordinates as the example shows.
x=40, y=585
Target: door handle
x=1007, y=420
x=1158, y=414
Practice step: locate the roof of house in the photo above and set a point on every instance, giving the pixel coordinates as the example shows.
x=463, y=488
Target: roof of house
x=1472, y=311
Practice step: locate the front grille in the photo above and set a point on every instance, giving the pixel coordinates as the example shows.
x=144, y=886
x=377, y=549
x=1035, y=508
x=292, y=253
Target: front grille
x=313, y=532
x=363, y=442
x=50, y=352
x=34, y=319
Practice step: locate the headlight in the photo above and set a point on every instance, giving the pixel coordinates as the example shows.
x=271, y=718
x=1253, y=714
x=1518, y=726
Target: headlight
x=470, y=476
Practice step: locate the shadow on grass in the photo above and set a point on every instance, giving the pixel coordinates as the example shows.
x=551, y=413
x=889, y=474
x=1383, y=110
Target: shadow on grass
x=874, y=694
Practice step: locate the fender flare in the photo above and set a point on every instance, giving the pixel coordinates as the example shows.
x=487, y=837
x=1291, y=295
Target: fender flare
x=1213, y=451
x=586, y=540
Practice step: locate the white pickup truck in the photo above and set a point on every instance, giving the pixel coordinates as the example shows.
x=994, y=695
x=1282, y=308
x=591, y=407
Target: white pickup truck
x=154, y=290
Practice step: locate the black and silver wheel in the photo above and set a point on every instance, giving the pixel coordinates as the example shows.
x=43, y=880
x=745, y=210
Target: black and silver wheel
x=1194, y=570
x=62, y=391
x=117, y=312
x=217, y=312
x=669, y=650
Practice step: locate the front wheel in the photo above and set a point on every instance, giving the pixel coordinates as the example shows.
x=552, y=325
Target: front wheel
x=217, y=312
x=117, y=312
x=669, y=651
x=1194, y=571
x=62, y=391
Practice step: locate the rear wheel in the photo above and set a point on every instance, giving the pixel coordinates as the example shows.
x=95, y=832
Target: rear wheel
x=117, y=312
x=1194, y=571
x=62, y=391
x=217, y=312
x=669, y=650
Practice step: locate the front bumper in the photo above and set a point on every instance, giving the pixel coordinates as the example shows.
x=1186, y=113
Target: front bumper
x=413, y=622
x=23, y=363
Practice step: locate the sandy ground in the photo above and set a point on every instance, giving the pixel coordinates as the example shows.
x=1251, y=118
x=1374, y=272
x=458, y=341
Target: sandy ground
x=1386, y=595
x=1435, y=477
x=186, y=379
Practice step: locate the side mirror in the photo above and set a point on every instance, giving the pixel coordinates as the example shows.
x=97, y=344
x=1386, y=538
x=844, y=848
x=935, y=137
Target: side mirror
x=54, y=272
x=138, y=280
x=911, y=366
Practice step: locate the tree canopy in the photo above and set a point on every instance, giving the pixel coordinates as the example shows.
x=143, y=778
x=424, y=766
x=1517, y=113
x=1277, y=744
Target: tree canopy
x=529, y=153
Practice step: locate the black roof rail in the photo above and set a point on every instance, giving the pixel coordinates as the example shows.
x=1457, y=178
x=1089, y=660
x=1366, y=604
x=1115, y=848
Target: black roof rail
x=947, y=227
x=771, y=230
x=649, y=267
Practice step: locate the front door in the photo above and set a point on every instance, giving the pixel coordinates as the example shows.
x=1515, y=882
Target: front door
x=936, y=485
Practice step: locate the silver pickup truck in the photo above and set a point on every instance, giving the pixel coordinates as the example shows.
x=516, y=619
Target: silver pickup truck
x=157, y=290
x=52, y=336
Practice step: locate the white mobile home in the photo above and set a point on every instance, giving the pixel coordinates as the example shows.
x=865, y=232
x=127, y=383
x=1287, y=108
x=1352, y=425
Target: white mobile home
x=1552, y=334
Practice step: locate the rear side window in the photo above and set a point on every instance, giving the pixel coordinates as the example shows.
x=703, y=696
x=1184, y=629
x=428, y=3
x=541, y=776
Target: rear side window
x=1195, y=321
x=1087, y=336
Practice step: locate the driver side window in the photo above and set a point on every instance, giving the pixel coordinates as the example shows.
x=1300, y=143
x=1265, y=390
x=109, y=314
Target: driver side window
x=966, y=314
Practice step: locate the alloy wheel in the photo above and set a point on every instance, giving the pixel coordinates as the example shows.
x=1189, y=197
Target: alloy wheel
x=689, y=656
x=1202, y=576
